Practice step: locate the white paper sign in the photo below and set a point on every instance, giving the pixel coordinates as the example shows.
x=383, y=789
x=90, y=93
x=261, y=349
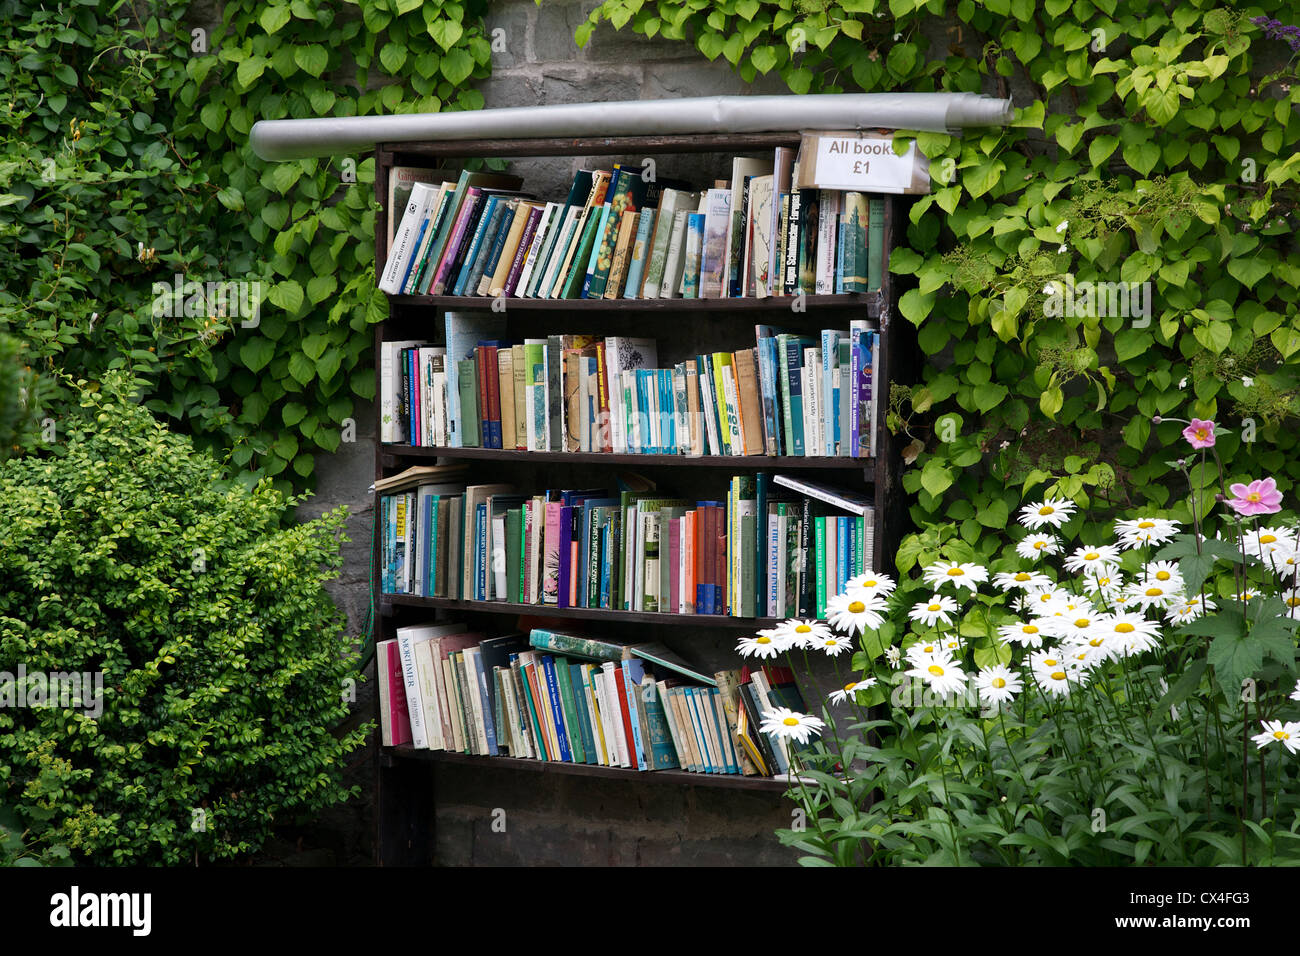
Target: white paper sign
x=866, y=163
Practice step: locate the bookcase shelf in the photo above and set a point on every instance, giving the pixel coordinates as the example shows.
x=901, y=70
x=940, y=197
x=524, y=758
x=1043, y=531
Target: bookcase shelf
x=405, y=793
x=855, y=302
x=588, y=613
x=741, y=462
x=550, y=767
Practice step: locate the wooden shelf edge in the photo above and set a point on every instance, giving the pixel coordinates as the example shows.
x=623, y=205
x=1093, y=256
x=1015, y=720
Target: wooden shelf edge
x=784, y=303
x=783, y=462
x=387, y=601
x=678, y=777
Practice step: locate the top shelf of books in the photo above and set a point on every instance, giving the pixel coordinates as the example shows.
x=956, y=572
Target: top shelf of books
x=852, y=302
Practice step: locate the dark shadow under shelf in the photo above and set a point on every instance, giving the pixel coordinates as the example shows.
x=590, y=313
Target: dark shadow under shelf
x=678, y=777
x=746, y=462
x=588, y=613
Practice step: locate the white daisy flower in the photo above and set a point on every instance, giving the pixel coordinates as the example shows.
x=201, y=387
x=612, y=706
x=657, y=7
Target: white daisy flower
x=1291, y=598
x=855, y=612
x=850, y=690
x=1144, y=531
x=832, y=644
x=1075, y=627
x=1034, y=546
x=785, y=723
x=951, y=643
x=1055, y=681
x=1261, y=542
x=1008, y=581
x=997, y=684
x=1026, y=635
x=1106, y=584
x=951, y=572
x=1092, y=559
x=1044, y=602
x=943, y=675
x=1189, y=610
x=938, y=609
x=1101, y=646
x=922, y=652
x=1275, y=731
x=1148, y=594
x=799, y=633
x=1163, y=572
x=1133, y=631
x=765, y=644
x=873, y=582
x=1050, y=512
x=1242, y=597
x=1295, y=694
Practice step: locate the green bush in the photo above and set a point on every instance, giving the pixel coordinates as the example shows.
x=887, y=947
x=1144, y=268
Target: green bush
x=129, y=553
x=18, y=397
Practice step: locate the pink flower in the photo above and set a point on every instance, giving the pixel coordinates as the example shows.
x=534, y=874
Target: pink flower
x=1200, y=433
x=1260, y=497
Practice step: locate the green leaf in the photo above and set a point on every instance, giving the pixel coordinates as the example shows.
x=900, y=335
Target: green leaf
x=274, y=17
x=445, y=33
x=935, y=477
x=312, y=59
x=301, y=368
x=1187, y=683
x=256, y=352
x=457, y=65
x=393, y=56
x=287, y=295
x=250, y=69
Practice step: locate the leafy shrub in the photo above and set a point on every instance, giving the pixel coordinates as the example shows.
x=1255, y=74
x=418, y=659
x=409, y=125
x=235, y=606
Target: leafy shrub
x=129, y=553
x=18, y=397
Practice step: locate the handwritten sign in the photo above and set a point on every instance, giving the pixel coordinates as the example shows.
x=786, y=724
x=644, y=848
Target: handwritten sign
x=862, y=162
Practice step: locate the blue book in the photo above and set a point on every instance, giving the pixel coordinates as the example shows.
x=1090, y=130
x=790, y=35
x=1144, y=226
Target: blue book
x=385, y=519
x=644, y=445
x=839, y=257
x=693, y=704
x=606, y=562
x=429, y=538
x=794, y=366
x=667, y=420
x=855, y=545
x=485, y=702
x=480, y=552
x=595, y=250
x=633, y=671
x=483, y=229
x=711, y=699
x=769, y=384
x=584, y=717
x=557, y=708
x=410, y=262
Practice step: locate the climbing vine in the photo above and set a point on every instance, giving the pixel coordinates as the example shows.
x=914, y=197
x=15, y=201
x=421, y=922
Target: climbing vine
x=125, y=163
x=1153, y=151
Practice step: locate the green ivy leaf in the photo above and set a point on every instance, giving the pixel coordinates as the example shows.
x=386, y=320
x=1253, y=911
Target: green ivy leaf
x=256, y=352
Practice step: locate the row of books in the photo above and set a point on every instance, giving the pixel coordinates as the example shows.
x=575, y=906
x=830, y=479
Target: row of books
x=771, y=547
x=567, y=697
x=788, y=395
x=624, y=233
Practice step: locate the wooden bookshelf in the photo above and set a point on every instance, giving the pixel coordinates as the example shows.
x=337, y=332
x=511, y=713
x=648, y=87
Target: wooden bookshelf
x=405, y=808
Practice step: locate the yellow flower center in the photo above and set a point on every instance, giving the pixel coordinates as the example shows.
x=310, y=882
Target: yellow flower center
x=802, y=629
x=1091, y=556
x=1049, y=661
x=1124, y=627
x=1038, y=545
x=1155, y=592
x=1163, y=575
x=791, y=722
x=1023, y=576
x=1030, y=629
x=857, y=607
x=928, y=649
x=998, y=682
x=849, y=685
x=1253, y=496
x=1058, y=675
x=955, y=572
x=1201, y=433
x=1281, y=735
x=1267, y=538
x=1293, y=602
x=1046, y=510
x=762, y=640
x=1082, y=622
x=870, y=584
x=1096, y=641
x=934, y=607
x=1146, y=524
x=936, y=670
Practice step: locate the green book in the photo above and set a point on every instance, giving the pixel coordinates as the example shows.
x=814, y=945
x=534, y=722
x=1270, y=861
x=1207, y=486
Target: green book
x=539, y=732
x=855, y=242
x=420, y=273
x=467, y=378
x=514, y=553
x=819, y=525
x=747, y=545
x=626, y=196
x=584, y=714
x=572, y=288
x=572, y=719
x=611, y=649
x=876, y=251
x=660, y=752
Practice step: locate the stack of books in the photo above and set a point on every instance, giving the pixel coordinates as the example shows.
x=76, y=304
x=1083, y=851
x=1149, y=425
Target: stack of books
x=622, y=234
x=787, y=395
x=767, y=546
x=577, y=699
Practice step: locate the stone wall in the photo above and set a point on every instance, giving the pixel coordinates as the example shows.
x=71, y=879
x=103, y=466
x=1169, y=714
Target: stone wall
x=559, y=820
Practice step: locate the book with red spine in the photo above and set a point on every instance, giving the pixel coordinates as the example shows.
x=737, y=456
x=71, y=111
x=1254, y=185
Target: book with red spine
x=394, y=712
x=459, y=234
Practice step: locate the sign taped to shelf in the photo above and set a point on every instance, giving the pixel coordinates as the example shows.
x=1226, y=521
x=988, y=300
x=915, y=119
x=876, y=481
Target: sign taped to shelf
x=853, y=160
